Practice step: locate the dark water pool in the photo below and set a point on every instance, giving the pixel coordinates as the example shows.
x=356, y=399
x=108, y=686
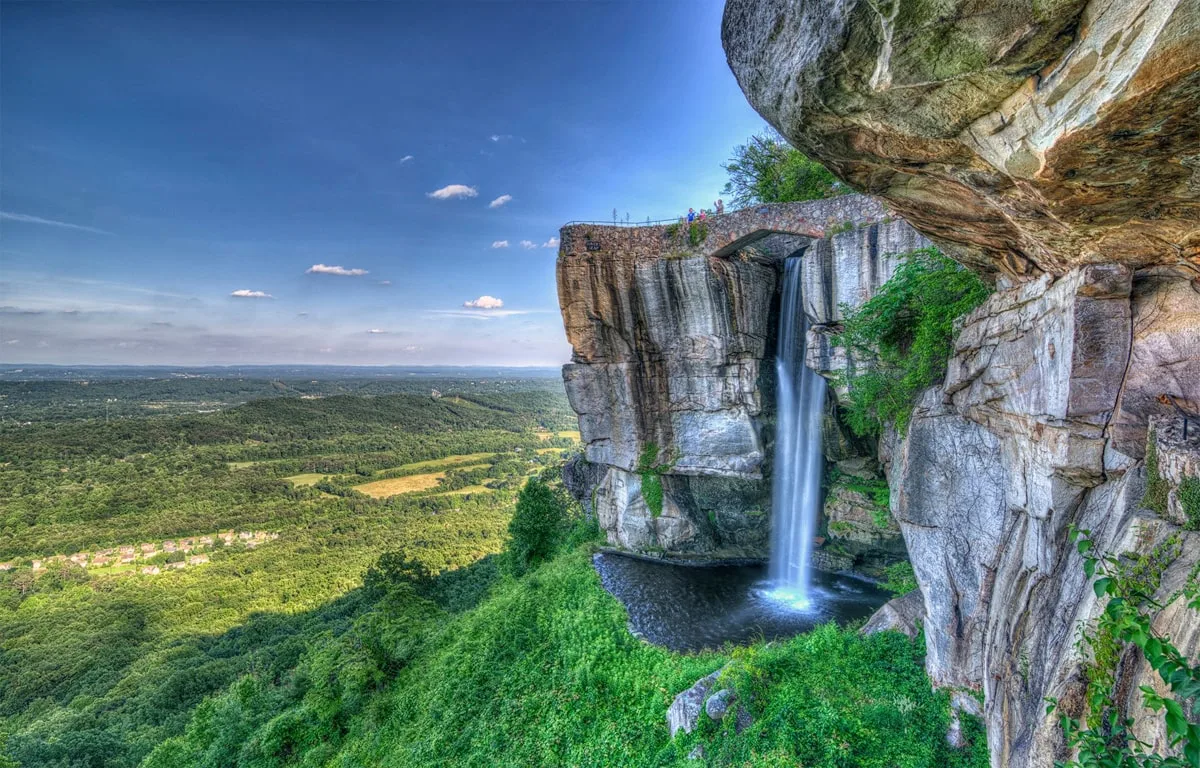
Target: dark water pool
x=693, y=607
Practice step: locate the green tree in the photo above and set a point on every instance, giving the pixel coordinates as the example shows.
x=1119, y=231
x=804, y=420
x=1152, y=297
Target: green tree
x=766, y=169
x=535, y=527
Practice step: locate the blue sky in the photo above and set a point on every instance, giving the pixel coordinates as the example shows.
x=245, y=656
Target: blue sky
x=156, y=159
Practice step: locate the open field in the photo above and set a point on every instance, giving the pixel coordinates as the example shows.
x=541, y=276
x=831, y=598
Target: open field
x=306, y=479
x=435, y=465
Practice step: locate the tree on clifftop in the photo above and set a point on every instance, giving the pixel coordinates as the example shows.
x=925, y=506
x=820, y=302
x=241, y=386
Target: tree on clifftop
x=766, y=169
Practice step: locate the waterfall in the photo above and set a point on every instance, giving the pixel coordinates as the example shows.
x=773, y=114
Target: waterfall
x=796, y=486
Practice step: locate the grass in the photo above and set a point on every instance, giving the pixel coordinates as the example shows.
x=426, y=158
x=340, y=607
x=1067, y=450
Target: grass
x=306, y=479
x=447, y=462
x=466, y=490
x=544, y=671
x=381, y=489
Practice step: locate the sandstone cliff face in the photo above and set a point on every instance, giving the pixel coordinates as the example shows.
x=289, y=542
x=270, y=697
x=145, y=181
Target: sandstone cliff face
x=1054, y=146
x=1034, y=136
x=673, y=350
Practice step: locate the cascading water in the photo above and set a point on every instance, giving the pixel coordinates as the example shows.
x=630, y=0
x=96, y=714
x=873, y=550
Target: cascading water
x=796, y=487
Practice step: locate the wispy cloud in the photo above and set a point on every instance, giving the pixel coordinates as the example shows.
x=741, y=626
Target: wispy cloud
x=246, y=293
x=499, y=243
x=385, y=282
x=499, y=201
x=451, y=191
x=406, y=159
x=326, y=269
x=482, y=314
x=498, y=137
x=484, y=302
x=27, y=219
x=376, y=330
x=551, y=243
x=528, y=244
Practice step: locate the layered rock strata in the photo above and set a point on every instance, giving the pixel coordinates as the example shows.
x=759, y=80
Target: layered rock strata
x=1034, y=136
x=672, y=372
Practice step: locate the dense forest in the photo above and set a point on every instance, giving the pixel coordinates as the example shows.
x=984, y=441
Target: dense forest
x=341, y=580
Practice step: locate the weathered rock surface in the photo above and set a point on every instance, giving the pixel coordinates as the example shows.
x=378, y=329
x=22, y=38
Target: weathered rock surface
x=1178, y=461
x=1031, y=137
x=719, y=704
x=673, y=350
x=844, y=271
x=902, y=614
x=684, y=712
x=1015, y=447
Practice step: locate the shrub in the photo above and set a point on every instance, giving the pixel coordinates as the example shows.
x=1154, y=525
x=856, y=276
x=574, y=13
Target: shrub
x=1155, y=498
x=1189, y=499
x=651, y=472
x=905, y=334
x=899, y=578
x=535, y=528
x=1126, y=587
x=766, y=169
x=697, y=233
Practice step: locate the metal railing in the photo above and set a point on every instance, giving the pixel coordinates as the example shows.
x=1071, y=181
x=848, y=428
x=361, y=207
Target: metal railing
x=620, y=223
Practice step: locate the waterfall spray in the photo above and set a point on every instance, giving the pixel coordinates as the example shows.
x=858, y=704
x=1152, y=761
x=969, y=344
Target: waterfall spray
x=796, y=487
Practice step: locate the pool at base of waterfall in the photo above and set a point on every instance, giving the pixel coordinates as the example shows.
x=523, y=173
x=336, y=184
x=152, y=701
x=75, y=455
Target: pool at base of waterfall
x=697, y=607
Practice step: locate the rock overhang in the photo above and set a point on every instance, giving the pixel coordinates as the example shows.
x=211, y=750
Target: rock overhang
x=1025, y=137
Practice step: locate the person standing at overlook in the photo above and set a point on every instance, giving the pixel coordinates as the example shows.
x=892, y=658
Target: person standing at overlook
x=691, y=215
x=719, y=206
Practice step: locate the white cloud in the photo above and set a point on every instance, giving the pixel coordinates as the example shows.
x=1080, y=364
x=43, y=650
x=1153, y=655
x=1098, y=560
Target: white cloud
x=453, y=190
x=551, y=243
x=499, y=201
x=528, y=244
x=325, y=269
x=376, y=330
x=27, y=219
x=13, y=341
x=499, y=243
x=385, y=282
x=413, y=348
x=405, y=159
x=484, y=302
x=246, y=293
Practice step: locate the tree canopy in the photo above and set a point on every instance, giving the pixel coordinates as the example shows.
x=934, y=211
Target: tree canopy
x=766, y=169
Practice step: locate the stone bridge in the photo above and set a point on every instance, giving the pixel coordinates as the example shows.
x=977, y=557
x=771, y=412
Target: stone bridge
x=725, y=234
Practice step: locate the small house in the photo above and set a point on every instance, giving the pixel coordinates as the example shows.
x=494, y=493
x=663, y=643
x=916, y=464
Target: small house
x=151, y=570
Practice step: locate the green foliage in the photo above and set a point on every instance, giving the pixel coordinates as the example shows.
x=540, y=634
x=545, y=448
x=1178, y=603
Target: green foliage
x=97, y=667
x=899, y=578
x=834, y=698
x=1104, y=739
x=651, y=474
x=697, y=233
x=672, y=230
x=1189, y=498
x=876, y=489
x=766, y=169
x=1155, y=498
x=536, y=527
x=903, y=335
x=544, y=672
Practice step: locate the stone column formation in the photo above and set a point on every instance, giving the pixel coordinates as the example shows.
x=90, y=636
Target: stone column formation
x=1056, y=148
